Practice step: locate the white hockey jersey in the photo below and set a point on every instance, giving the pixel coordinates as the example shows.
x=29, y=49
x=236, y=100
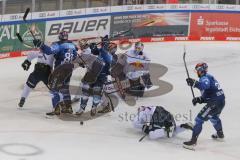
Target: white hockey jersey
x=136, y=65
x=46, y=59
x=144, y=117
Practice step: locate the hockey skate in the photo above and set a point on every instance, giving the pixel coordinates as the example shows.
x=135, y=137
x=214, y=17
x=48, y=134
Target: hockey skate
x=22, y=101
x=105, y=109
x=67, y=107
x=190, y=144
x=219, y=136
x=80, y=111
x=56, y=111
x=93, y=111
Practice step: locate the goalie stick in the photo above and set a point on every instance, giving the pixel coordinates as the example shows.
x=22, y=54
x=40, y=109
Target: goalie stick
x=184, y=60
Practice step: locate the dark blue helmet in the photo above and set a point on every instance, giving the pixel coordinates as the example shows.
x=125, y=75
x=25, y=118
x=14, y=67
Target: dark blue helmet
x=63, y=36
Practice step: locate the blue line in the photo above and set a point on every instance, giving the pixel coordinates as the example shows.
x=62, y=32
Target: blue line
x=114, y=14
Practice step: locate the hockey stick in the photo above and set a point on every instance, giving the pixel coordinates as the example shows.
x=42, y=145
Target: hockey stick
x=184, y=60
x=142, y=138
x=122, y=33
x=24, y=19
x=119, y=86
x=28, y=27
x=110, y=100
x=21, y=40
x=19, y=37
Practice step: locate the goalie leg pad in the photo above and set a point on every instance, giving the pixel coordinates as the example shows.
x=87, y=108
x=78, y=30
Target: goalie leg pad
x=97, y=67
x=89, y=77
x=136, y=88
x=117, y=70
x=60, y=77
x=147, y=80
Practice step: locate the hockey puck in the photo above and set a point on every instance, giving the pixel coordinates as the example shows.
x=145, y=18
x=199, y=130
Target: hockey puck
x=81, y=122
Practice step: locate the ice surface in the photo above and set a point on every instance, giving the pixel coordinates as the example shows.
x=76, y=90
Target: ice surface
x=27, y=135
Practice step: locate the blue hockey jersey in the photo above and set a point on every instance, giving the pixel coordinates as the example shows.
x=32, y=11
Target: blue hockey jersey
x=107, y=59
x=64, y=51
x=210, y=88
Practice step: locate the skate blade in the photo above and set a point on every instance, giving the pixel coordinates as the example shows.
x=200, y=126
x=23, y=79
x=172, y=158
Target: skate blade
x=78, y=114
x=219, y=139
x=192, y=148
x=49, y=117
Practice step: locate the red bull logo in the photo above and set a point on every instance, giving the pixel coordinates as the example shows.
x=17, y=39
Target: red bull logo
x=137, y=65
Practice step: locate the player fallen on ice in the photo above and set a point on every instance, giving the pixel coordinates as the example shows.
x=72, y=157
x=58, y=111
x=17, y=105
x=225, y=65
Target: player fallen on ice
x=64, y=52
x=211, y=94
x=97, y=86
x=41, y=72
x=157, y=122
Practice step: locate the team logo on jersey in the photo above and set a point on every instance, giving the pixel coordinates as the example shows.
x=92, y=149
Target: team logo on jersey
x=137, y=64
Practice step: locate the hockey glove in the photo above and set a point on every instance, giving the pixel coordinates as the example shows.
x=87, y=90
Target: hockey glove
x=26, y=65
x=191, y=82
x=37, y=43
x=197, y=100
x=145, y=129
x=105, y=42
x=105, y=39
x=94, y=49
x=168, y=124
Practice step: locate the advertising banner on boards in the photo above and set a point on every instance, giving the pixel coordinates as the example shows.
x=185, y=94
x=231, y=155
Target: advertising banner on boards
x=215, y=25
x=9, y=41
x=78, y=28
x=150, y=25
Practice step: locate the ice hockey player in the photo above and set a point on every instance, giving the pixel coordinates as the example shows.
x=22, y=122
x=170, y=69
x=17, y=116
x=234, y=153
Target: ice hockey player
x=157, y=122
x=213, y=96
x=84, y=49
x=134, y=58
x=97, y=86
x=41, y=72
x=64, y=52
x=106, y=105
x=135, y=65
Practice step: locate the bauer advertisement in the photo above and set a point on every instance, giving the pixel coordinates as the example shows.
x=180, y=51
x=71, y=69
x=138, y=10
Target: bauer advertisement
x=78, y=28
x=150, y=25
x=219, y=26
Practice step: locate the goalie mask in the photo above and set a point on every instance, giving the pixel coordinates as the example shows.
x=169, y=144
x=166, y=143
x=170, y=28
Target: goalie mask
x=139, y=48
x=83, y=44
